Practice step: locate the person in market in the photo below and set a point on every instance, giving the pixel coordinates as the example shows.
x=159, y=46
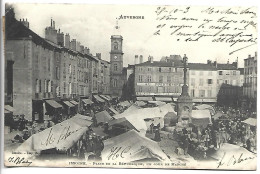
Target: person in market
x=157, y=136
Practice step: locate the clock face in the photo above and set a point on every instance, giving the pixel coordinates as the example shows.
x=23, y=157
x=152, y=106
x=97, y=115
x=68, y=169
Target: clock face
x=115, y=57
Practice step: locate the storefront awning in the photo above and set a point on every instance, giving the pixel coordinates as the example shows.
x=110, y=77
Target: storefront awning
x=74, y=102
x=68, y=104
x=87, y=101
x=104, y=97
x=113, y=110
x=9, y=108
x=7, y=112
x=99, y=99
x=53, y=103
x=204, y=100
x=165, y=99
x=144, y=98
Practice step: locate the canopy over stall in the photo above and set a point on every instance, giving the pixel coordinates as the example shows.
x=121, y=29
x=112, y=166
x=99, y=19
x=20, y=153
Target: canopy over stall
x=144, y=98
x=125, y=103
x=201, y=117
x=113, y=110
x=74, y=102
x=69, y=104
x=87, y=101
x=250, y=121
x=140, y=103
x=164, y=99
x=132, y=147
x=103, y=117
x=61, y=136
x=53, y=103
x=98, y=99
x=9, y=108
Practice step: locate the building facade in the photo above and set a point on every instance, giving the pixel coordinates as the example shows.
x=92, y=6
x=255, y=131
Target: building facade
x=49, y=74
x=203, y=82
x=250, y=77
x=159, y=78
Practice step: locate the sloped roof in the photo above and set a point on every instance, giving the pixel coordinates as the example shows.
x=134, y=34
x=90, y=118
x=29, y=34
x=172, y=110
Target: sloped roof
x=201, y=66
x=226, y=67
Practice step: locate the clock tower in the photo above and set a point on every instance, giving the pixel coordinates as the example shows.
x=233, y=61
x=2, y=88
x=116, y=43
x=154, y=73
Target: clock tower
x=116, y=67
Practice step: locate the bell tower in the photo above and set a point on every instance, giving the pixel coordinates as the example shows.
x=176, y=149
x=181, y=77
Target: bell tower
x=116, y=67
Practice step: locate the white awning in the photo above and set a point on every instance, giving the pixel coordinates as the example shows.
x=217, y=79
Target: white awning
x=165, y=99
x=144, y=98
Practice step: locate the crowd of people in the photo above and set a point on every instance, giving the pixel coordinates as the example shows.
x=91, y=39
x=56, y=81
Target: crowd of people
x=200, y=142
x=89, y=145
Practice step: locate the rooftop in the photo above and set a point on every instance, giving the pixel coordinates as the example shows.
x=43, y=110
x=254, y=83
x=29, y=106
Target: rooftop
x=201, y=66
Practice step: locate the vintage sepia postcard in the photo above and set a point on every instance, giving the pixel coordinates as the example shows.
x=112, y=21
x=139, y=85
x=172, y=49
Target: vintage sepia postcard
x=130, y=86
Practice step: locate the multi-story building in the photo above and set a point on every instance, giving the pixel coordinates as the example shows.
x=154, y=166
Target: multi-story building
x=160, y=79
x=48, y=72
x=250, y=77
x=203, y=82
x=250, y=81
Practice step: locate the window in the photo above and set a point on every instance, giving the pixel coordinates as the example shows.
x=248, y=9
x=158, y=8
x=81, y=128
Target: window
x=170, y=69
x=210, y=73
x=234, y=72
x=226, y=81
x=115, y=82
x=37, y=86
x=140, y=88
x=149, y=69
x=192, y=93
x=70, y=88
x=210, y=81
x=64, y=87
x=45, y=86
x=70, y=70
x=57, y=72
x=192, y=82
x=149, y=78
x=160, y=79
x=209, y=93
x=58, y=91
x=49, y=86
x=201, y=73
x=193, y=73
x=201, y=82
x=160, y=69
x=49, y=64
x=115, y=67
x=40, y=86
x=201, y=93
x=115, y=46
x=169, y=79
x=220, y=72
x=140, y=78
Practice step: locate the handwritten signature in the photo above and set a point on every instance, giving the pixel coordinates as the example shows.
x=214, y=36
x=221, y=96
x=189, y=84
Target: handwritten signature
x=232, y=160
x=117, y=152
x=18, y=161
x=65, y=133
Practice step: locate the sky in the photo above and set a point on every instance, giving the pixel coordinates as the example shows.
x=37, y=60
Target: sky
x=93, y=26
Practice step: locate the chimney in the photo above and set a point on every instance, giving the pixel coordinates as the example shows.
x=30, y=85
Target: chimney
x=98, y=55
x=25, y=22
x=73, y=44
x=51, y=22
x=209, y=62
x=151, y=59
x=67, y=41
x=249, y=56
x=255, y=55
x=81, y=48
x=60, y=39
x=136, y=59
x=141, y=59
x=215, y=64
x=228, y=61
